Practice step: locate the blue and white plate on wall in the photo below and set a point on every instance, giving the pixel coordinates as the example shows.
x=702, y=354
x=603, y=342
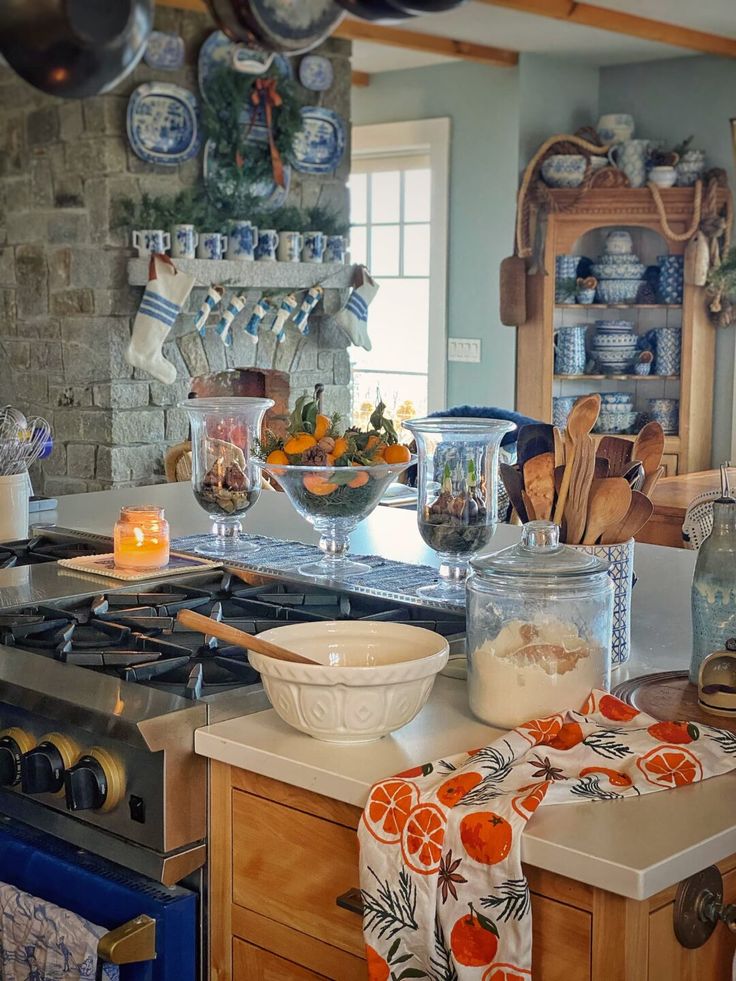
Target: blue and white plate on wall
x=164, y=51
x=319, y=147
x=316, y=73
x=272, y=195
x=163, y=123
x=219, y=51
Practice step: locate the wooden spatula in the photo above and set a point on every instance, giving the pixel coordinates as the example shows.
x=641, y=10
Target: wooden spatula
x=617, y=451
x=514, y=484
x=559, y=447
x=649, y=447
x=640, y=511
x=609, y=502
x=223, y=631
x=539, y=484
x=651, y=481
x=581, y=420
x=602, y=468
x=536, y=438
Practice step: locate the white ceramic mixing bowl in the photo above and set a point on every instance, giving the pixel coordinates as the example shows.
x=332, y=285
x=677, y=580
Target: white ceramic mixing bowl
x=372, y=679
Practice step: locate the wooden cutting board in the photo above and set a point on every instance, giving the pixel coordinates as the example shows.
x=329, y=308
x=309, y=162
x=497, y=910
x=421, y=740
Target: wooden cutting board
x=669, y=696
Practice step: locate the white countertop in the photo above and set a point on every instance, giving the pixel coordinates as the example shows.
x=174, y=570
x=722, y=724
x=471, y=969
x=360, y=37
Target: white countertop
x=631, y=847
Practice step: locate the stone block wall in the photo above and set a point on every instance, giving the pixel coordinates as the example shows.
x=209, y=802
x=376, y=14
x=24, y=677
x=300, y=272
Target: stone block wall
x=66, y=309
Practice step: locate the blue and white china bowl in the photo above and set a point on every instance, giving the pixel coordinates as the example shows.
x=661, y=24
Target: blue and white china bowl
x=164, y=51
x=585, y=295
x=316, y=73
x=612, y=341
x=561, y=409
x=619, y=242
x=618, y=290
x=614, y=127
x=690, y=167
x=564, y=169
x=643, y=368
x=615, y=422
x=616, y=398
x=620, y=270
x=665, y=412
x=612, y=326
x=662, y=176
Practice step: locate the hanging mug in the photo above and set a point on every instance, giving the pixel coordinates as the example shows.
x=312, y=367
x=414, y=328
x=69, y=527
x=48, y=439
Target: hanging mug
x=184, y=241
x=631, y=158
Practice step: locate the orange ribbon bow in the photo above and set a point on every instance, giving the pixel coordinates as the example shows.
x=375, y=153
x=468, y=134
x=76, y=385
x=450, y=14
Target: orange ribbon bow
x=265, y=95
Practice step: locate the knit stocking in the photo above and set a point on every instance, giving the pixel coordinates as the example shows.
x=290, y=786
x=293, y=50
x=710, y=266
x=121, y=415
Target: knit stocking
x=288, y=306
x=166, y=292
x=354, y=318
x=256, y=319
x=310, y=301
x=234, y=307
x=213, y=299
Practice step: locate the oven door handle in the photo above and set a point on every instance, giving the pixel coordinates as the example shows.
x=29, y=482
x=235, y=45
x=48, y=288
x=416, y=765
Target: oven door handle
x=130, y=943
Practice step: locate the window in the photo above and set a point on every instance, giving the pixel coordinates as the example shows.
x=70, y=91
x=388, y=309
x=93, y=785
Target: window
x=398, y=201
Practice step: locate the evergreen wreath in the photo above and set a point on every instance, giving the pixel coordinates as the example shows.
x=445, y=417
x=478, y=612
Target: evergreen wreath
x=229, y=114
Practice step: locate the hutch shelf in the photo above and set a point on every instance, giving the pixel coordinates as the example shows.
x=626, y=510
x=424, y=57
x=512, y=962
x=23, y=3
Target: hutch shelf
x=578, y=225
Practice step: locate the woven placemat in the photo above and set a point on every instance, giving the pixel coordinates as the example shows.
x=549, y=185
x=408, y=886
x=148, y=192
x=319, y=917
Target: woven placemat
x=395, y=581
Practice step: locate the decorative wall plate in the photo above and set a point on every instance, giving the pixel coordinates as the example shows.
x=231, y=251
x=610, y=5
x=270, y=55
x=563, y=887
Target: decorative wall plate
x=319, y=147
x=163, y=123
x=218, y=50
x=293, y=25
x=316, y=73
x=164, y=51
x=226, y=186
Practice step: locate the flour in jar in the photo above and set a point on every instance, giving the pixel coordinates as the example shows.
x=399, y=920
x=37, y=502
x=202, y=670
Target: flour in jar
x=533, y=669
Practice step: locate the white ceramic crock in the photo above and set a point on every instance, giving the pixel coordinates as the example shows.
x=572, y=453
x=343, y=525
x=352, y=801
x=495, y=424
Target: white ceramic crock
x=14, y=492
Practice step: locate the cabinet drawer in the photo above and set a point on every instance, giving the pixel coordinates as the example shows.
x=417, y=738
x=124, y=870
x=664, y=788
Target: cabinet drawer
x=561, y=941
x=253, y=964
x=291, y=867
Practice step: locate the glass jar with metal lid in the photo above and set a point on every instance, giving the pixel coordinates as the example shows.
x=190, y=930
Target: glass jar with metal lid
x=539, y=628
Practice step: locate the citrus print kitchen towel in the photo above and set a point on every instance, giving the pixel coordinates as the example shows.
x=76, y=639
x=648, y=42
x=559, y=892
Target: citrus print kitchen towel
x=444, y=894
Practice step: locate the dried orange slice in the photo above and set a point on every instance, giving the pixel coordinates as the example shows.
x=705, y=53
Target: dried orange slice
x=670, y=766
x=529, y=798
x=506, y=972
x=389, y=805
x=540, y=730
x=422, y=838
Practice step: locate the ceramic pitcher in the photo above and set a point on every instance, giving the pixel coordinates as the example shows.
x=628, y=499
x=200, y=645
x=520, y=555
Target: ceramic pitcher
x=631, y=157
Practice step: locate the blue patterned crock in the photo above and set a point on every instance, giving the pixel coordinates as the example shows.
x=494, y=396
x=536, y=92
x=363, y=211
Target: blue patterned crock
x=620, y=559
x=570, y=350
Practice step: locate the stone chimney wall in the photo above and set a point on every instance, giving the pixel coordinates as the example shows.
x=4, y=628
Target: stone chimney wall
x=66, y=308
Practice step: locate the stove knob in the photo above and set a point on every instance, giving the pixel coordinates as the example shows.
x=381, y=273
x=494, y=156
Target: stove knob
x=42, y=768
x=94, y=783
x=13, y=744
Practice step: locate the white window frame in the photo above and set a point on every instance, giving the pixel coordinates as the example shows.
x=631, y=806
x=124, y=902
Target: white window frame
x=432, y=137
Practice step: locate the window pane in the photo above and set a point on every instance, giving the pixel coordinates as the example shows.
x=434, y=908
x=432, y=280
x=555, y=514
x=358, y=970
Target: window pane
x=398, y=325
x=384, y=250
x=359, y=245
x=385, y=196
x=358, y=187
x=405, y=397
x=416, y=250
x=417, y=187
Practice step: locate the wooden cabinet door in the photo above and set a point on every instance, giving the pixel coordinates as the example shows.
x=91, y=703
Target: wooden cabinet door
x=253, y=964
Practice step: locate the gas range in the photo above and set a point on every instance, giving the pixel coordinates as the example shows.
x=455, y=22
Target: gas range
x=42, y=548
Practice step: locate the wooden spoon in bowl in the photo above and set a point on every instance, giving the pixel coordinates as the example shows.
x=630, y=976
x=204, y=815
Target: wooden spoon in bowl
x=649, y=447
x=610, y=500
x=223, y=631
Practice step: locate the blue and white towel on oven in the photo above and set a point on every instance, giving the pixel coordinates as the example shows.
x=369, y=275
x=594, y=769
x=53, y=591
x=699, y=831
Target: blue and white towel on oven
x=43, y=942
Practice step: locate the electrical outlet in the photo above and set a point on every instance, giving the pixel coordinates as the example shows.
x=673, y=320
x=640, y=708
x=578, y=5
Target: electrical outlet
x=463, y=349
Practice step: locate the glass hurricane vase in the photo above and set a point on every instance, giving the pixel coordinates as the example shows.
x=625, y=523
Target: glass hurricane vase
x=225, y=481
x=334, y=500
x=457, y=493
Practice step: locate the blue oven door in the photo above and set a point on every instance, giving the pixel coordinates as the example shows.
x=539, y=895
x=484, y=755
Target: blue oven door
x=105, y=894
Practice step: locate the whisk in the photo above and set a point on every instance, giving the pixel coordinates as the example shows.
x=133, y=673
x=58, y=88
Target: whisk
x=22, y=440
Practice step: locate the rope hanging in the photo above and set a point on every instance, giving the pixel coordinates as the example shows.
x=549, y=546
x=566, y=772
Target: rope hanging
x=697, y=213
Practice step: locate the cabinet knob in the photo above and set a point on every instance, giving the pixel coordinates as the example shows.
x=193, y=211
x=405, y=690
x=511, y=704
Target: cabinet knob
x=352, y=901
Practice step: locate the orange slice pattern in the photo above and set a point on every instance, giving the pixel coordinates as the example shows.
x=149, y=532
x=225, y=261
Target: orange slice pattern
x=422, y=838
x=529, y=798
x=506, y=972
x=670, y=766
x=541, y=730
x=615, y=777
x=617, y=711
x=388, y=807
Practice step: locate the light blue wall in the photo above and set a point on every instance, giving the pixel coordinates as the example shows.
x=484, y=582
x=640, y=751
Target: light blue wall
x=673, y=99
x=483, y=104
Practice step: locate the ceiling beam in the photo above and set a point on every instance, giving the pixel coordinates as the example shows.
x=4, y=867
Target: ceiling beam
x=354, y=30
x=606, y=19
x=361, y=79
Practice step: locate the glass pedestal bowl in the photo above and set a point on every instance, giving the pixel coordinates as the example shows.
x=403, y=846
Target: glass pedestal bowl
x=334, y=500
x=457, y=500
x=225, y=481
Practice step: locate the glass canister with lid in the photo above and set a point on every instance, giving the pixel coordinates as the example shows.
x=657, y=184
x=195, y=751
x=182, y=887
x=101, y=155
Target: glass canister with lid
x=539, y=628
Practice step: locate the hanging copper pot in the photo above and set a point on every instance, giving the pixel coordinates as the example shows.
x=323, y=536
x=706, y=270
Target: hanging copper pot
x=74, y=48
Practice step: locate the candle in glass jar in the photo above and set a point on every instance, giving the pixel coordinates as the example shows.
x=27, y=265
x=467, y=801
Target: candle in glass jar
x=141, y=538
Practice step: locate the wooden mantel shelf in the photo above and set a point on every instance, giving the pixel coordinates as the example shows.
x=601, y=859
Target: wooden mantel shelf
x=254, y=275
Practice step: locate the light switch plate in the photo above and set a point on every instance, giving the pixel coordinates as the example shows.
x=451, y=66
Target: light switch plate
x=463, y=349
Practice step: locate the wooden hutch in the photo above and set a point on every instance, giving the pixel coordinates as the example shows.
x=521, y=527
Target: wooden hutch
x=577, y=225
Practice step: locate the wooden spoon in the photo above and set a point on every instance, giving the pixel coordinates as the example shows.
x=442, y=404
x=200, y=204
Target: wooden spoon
x=640, y=511
x=514, y=484
x=617, y=451
x=559, y=447
x=602, y=468
x=539, y=484
x=649, y=447
x=610, y=500
x=536, y=438
x=581, y=420
x=223, y=631
x=651, y=481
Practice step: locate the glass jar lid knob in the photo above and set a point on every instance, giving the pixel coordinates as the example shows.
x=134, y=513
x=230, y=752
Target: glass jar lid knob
x=540, y=536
